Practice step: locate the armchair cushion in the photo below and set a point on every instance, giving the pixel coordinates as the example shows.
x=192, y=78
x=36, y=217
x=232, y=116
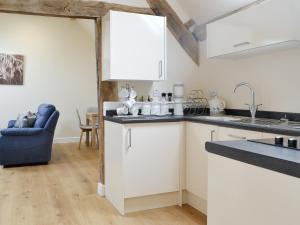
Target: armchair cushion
x=21, y=131
x=11, y=124
x=43, y=114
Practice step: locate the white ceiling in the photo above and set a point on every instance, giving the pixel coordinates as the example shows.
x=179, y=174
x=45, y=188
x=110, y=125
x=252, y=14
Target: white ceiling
x=203, y=11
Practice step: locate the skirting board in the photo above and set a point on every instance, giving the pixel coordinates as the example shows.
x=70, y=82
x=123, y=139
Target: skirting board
x=66, y=140
x=151, y=202
x=195, y=201
x=101, y=189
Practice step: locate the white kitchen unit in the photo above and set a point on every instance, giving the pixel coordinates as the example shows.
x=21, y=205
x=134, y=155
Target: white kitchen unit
x=243, y=194
x=269, y=25
x=229, y=134
x=197, y=135
x=143, y=165
x=134, y=46
x=270, y=135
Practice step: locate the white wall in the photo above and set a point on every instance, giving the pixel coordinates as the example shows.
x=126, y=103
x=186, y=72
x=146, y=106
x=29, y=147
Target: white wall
x=275, y=77
x=60, y=67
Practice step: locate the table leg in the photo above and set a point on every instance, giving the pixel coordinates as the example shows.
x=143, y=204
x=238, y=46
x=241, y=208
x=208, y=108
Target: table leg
x=94, y=132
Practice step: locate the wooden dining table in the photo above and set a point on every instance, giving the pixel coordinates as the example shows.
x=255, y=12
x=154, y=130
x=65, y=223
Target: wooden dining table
x=92, y=119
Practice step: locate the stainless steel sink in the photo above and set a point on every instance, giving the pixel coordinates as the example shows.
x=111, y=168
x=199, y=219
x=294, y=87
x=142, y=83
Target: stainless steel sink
x=220, y=118
x=264, y=122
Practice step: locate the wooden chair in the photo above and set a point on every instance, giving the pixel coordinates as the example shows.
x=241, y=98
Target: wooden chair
x=84, y=128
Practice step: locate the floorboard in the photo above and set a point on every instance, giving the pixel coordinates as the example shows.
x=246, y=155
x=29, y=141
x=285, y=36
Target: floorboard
x=64, y=193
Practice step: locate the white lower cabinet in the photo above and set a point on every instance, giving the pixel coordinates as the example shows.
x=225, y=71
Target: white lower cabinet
x=243, y=194
x=228, y=134
x=197, y=135
x=142, y=165
x=148, y=165
x=196, y=162
x=270, y=135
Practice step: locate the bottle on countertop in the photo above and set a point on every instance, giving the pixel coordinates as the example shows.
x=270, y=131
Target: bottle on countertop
x=170, y=97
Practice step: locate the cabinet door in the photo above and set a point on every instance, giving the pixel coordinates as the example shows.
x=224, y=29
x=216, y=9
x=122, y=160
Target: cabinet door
x=270, y=135
x=228, y=134
x=196, y=157
x=255, y=29
x=151, y=159
x=138, y=46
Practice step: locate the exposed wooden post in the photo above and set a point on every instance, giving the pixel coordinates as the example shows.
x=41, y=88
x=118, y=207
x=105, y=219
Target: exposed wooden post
x=66, y=8
x=178, y=29
x=106, y=91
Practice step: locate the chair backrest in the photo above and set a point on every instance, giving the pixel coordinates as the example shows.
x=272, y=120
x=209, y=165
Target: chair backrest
x=43, y=115
x=78, y=116
x=52, y=121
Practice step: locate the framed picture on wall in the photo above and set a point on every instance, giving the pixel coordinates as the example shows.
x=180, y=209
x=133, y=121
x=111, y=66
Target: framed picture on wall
x=11, y=69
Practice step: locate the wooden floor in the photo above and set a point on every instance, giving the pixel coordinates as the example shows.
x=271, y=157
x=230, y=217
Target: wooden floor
x=64, y=193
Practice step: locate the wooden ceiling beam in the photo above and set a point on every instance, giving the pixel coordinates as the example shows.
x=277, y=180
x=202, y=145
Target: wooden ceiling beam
x=177, y=28
x=66, y=8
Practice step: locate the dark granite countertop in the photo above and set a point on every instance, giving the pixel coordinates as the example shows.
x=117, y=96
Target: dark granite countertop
x=276, y=129
x=282, y=160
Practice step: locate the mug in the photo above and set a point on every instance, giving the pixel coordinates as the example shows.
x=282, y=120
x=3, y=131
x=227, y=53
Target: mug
x=122, y=111
x=146, y=110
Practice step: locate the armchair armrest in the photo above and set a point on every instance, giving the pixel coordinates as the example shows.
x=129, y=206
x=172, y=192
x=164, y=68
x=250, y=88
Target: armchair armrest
x=11, y=123
x=21, y=131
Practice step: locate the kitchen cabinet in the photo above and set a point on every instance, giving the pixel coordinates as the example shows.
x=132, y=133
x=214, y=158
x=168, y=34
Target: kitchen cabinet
x=270, y=135
x=196, y=160
x=244, y=194
x=134, y=46
x=142, y=160
x=228, y=134
x=197, y=135
x=266, y=26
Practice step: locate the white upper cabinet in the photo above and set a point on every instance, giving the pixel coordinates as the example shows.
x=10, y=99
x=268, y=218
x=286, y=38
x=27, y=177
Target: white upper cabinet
x=269, y=25
x=134, y=46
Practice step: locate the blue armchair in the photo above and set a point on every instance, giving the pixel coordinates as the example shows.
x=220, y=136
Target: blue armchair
x=21, y=146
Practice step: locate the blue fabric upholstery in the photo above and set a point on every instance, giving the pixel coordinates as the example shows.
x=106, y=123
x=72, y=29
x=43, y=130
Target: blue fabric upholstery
x=21, y=131
x=43, y=114
x=11, y=124
x=21, y=146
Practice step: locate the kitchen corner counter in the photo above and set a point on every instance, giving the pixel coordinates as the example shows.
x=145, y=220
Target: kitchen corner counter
x=144, y=119
x=283, y=130
x=282, y=160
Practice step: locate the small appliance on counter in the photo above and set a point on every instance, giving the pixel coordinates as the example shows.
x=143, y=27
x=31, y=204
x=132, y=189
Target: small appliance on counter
x=216, y=105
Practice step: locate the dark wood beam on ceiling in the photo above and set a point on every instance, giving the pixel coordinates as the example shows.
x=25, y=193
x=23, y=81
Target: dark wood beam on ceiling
x=177, y=27
x=190, y=24
x=66, y=8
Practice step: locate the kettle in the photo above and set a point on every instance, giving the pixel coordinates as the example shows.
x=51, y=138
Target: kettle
x=216, y=105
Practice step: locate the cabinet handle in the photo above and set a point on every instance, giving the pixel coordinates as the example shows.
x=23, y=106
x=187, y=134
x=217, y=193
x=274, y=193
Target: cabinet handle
x=241, y=44
x=160, y=69
x=129, y=139
x=237, y=136
x=212, y=135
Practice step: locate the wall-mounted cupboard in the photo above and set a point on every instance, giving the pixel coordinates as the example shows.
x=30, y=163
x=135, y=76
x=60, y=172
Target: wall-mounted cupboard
x=268, y=25
x=134, y=46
